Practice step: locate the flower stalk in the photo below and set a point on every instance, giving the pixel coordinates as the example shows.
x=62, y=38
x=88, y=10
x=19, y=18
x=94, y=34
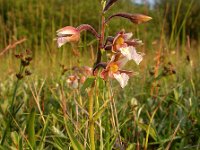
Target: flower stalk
x=101, y=40
x=88, y=27
x=91, y=120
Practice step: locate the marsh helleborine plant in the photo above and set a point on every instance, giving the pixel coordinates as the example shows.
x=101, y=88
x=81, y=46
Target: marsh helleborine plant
x=121, y=45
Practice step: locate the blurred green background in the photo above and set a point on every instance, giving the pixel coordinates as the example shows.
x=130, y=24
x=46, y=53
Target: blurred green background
x=38, y=20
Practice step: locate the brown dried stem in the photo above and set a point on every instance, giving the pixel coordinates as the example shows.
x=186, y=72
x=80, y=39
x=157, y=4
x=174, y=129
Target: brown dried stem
x=11, y=46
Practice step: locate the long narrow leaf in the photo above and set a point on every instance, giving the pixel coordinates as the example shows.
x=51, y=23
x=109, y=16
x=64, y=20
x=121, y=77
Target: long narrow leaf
x=31, y=128
x=75, y=143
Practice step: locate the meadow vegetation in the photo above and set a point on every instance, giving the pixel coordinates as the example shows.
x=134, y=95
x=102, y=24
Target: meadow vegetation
x=159, y=108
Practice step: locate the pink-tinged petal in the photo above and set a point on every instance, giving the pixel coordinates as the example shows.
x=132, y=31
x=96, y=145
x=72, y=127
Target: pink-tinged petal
x=130, y=53
x=127, y=52
x=73, y=38
x=122, y=62
x=136, y=56
x=61, y=41
x=134, y=42
x=75, y=84
x=68, y=30
x=82, y=79
x=122, y=79
x=127, y=36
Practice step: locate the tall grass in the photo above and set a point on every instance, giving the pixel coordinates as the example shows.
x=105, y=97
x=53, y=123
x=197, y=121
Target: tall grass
x=158, y=110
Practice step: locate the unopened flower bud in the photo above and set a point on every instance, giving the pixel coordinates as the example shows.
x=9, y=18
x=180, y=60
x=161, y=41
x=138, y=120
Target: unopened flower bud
x=135, y=18
x=139, y=18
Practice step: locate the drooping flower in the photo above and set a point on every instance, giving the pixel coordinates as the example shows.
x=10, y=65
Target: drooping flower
x=125, y=45
x=67, y=34
x=120, y=41
x=72, y=34
x=123, y=39
x=79, y=76
x=113, y=70
x=72, y=81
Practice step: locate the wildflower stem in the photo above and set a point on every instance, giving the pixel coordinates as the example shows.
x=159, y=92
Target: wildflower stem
x=15, y=90
x=101, y=40
x=91, y=121
x=88, y=27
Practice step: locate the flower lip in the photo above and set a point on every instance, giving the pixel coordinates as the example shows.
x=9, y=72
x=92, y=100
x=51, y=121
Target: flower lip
x=122, y=78
x=131, y=54
x=113, y=70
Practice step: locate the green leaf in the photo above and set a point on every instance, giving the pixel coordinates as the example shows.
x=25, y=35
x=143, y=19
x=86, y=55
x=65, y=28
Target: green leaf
x=20, y=144
x=100, y=111
x=75, y=143
x=42, y=141
x=176, y=95
x=151, y=130
x=131, y=146
x=88, y=82
x=31, y=128
x=100, y=83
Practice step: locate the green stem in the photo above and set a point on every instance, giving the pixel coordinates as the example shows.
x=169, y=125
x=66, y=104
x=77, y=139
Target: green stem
x=101, y=40
x=11, y=112
x=91, y=121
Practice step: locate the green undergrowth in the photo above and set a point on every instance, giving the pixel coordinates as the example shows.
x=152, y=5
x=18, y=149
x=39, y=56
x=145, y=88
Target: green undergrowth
x=127, y=118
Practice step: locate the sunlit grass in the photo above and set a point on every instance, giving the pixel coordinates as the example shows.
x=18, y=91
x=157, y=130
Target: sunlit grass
x=159, y=111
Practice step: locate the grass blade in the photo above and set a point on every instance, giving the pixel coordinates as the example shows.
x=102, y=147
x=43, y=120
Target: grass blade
x=31, y=128
x=75, y=143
